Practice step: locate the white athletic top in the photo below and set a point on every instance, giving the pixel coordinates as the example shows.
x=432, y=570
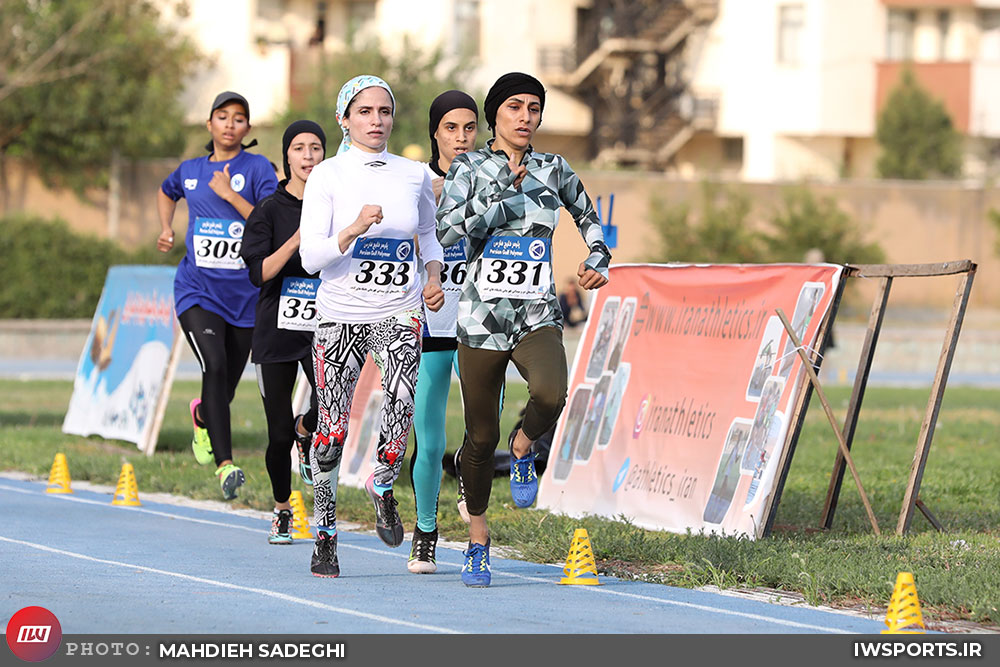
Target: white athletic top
x=378, y=275
x=442, y=323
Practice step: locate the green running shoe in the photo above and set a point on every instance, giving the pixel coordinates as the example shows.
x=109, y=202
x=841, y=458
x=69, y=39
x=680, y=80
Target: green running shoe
x=201, y=444
x=230, y=479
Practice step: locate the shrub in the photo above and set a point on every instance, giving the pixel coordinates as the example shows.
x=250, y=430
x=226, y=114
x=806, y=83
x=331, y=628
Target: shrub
x=721, y=235
x=806, y=223
x=49, y=271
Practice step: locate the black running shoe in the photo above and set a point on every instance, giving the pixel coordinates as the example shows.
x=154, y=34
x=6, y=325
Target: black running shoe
x=281, y=521
x=422, y=552
x=462, y=510
x=388, y=527
x=324, y=558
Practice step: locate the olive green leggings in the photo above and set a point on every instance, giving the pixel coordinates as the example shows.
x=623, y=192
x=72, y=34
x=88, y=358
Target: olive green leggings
x=540, y=358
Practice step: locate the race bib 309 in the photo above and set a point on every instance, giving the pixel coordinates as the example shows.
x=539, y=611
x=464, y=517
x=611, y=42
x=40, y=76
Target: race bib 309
x=217, y=243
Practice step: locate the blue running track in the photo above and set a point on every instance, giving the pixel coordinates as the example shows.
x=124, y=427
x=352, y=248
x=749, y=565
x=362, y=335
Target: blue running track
x=168, y=569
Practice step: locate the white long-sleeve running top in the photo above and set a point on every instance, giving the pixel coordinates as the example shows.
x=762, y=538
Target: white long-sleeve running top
x=377, y=274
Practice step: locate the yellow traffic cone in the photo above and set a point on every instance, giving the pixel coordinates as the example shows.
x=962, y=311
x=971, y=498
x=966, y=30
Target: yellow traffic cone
x=580, y=561
x=127, y=492
x=904, y=608
x=300, y=520
x=59, y=476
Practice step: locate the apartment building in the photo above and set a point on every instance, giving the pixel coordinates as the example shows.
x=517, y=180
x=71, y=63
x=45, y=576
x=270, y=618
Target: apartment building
x=761, y=90
x=801, y=83
x=269, y=49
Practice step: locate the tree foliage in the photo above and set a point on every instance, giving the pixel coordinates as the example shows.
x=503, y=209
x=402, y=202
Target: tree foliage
x=721, y=232
x=81, y=79
x=805, y=222
x=415, y=75
x=721, y=235
x=916, y=134
x=48, y=270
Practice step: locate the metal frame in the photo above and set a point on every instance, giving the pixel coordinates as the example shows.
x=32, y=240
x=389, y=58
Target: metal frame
x=886, y=273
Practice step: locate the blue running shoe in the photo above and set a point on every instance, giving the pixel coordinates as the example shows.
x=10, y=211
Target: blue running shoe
x=476, y=569
x=523, y=480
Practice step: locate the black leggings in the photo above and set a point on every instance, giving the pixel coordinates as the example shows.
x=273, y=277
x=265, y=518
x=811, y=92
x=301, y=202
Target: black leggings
x=222, y=350
x=276, y=382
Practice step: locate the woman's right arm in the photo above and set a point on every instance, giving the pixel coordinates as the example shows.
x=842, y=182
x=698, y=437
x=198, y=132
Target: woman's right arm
x=165, y=207
x=320, y=245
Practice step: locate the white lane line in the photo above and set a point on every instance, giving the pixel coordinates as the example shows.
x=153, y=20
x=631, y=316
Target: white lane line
x=588, y=589
x=284, y=597
x=646, y=598
x=63, y=496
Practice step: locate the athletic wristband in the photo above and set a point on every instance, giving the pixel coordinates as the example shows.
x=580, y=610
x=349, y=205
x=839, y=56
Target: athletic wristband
x=601, y=247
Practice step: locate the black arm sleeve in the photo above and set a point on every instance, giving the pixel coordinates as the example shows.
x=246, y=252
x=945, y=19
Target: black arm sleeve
x=257, y=242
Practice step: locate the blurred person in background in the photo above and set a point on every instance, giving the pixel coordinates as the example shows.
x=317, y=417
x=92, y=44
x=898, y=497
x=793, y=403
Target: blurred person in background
x=453, y=125
x=360, y=213
x=574, y=312
x=283, y=331
x=213, y=295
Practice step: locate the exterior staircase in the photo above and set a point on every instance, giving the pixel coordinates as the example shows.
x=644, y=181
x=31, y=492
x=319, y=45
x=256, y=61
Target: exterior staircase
x=630, y=69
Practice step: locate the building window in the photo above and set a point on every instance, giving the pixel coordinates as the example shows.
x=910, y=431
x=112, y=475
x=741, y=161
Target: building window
x=899, y=40
x=944, y=25
x=466, y=28
x=989, y=36
x=319, y=32
x=732, y=149
x=791, y=28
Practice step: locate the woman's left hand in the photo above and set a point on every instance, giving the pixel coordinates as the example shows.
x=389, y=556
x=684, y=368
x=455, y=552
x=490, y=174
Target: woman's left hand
x=220, y=183
x=433, y=295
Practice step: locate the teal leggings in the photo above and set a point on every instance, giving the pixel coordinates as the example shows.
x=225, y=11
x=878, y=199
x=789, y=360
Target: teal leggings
x=430, y=408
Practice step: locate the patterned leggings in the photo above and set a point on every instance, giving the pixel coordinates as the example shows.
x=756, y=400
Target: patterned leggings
x=339, y=352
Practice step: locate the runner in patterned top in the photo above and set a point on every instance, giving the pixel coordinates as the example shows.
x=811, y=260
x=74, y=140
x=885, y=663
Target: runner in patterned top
x=504, y=200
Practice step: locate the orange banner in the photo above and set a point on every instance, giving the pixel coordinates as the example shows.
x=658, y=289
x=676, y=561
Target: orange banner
x=681, y=395
x=357, y=463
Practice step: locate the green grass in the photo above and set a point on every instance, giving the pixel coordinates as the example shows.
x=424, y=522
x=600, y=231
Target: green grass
x=957, y=572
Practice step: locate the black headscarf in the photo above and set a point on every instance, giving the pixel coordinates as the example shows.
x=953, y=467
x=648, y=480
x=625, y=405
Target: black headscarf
x=507, y=86
x=442, y=104
x=294, y=130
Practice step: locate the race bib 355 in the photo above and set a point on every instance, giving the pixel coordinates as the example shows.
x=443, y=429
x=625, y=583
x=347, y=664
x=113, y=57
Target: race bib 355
x=297, y=304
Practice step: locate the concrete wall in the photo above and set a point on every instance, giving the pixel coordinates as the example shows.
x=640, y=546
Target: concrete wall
x=914, y=222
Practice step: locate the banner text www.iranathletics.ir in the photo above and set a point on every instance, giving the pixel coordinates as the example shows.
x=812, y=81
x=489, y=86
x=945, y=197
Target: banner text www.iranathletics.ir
x=918, y=649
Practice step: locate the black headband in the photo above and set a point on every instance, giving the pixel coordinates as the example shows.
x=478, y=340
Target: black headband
x=507, y=86
x=442, y=104
x=294, y=130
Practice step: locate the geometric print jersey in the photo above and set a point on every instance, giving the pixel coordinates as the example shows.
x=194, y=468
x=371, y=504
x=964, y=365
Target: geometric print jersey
x=477, y=202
